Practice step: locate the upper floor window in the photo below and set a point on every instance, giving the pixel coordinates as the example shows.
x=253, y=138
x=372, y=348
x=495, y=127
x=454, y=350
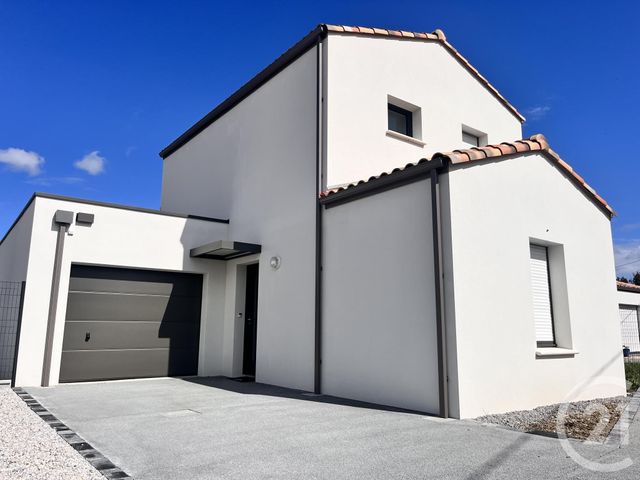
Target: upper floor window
x=404, y=121
x=472, y=137
x=400, y=120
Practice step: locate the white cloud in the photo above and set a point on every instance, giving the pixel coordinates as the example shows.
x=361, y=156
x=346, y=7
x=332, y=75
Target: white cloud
x=536, y=113
x=627, y=256
x=92, y=163
x=22, y=160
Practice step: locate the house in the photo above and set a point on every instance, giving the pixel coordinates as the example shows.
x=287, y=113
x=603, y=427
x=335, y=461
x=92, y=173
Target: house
x=628, y=305
x=475, y=276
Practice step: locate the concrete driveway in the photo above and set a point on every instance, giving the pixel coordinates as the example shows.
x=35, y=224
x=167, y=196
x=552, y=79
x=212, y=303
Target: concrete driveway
x=217, y=428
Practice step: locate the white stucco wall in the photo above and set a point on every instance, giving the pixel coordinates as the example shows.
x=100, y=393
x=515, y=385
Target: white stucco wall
x=628, y=298
x=14, y=250
x=379, y=321
x=119, y=238
x=256, y=165
x=496, y=209
x=362, y=71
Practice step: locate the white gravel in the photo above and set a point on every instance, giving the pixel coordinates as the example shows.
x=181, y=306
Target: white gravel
x=31, y=450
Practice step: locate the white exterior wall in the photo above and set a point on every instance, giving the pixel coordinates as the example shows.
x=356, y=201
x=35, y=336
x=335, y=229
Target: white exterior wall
x=362, y=71
x=379, y=321
x=628, y=298
x=256, y=165
x=495, y=209
x=118, y=238
x=14, y=250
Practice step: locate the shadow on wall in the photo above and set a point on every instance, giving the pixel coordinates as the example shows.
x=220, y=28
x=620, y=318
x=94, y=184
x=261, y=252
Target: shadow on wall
x=181, y=324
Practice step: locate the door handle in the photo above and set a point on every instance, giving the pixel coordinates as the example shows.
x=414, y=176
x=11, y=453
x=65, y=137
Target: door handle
x=87, y=336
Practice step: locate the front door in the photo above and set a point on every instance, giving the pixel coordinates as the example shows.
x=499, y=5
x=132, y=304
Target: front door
x=250, y=321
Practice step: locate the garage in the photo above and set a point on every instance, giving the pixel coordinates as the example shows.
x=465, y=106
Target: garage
x=127, y=323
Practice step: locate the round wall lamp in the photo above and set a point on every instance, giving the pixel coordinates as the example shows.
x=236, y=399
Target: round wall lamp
x=274, y=262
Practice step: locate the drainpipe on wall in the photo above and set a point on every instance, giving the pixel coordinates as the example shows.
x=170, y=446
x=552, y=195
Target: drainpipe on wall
x=443, y=380
x=63, y=219
x=317, y=361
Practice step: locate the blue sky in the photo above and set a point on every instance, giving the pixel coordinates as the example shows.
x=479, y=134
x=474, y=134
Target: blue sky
x=92, y=91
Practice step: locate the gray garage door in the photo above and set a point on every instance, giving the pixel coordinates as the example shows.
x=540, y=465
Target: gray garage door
x=124, y=323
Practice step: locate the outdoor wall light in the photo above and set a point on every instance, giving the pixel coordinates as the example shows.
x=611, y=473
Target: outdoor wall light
x=275, y=262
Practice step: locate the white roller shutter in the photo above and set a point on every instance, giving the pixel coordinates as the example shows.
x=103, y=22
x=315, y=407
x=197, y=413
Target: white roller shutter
x=629, y=327
x=541, y=294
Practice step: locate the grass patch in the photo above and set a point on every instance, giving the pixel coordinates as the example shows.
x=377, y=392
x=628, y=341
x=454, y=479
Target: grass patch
x=632, y=372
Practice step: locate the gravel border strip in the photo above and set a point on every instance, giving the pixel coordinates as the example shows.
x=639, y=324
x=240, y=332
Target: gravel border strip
x=619, y=432
x=97, y=460
x=535, y=421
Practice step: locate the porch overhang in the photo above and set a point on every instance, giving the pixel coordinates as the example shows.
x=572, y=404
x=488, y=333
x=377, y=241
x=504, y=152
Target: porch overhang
x=225, y=250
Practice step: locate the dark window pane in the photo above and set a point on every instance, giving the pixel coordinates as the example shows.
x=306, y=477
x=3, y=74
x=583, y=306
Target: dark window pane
x=470, y=139
x=397, y=122
x=400, y=120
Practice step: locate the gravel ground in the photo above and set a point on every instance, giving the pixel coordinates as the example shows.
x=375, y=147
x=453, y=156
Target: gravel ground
x=585, y=420
x=31, y=450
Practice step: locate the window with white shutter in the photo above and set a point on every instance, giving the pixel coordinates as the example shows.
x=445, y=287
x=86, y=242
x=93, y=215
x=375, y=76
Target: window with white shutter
x=541, y=290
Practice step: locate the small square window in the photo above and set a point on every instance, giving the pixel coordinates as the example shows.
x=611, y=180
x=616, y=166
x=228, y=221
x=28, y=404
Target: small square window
x=470, y=139
x=400, y=120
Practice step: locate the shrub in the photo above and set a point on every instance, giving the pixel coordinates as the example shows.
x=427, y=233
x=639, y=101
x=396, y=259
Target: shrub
x=632, y=371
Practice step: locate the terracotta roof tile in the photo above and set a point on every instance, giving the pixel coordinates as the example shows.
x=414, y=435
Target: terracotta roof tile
x=535, y=143
x=630, y=286
x=521, y=146
x=475, y=154
x=438, y=36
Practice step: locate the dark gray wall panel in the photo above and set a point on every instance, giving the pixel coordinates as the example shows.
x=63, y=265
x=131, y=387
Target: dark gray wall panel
x=125, y=307
x=78, y=366
x=140, y=324
x=109, y=279
x=118, y=335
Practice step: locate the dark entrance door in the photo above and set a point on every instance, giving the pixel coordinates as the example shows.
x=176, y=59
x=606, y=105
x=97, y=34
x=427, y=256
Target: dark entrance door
x=250, y=321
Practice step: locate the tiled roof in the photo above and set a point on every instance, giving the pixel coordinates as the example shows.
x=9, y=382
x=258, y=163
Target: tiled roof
x=536, y=143
x=628, y=286
x=304, y=45
x=436, y=36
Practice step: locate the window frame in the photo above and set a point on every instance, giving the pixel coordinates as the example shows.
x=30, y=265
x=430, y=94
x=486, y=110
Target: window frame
x=547, y=343
x=477, y=137
x=408, y=116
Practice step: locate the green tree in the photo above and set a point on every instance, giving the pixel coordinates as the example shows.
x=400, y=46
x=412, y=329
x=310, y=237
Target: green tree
x=636, y=278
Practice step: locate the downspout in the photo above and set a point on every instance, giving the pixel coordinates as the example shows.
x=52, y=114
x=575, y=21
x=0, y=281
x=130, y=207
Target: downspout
x=317, y=361
x=63, y=219
x=436, y=221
